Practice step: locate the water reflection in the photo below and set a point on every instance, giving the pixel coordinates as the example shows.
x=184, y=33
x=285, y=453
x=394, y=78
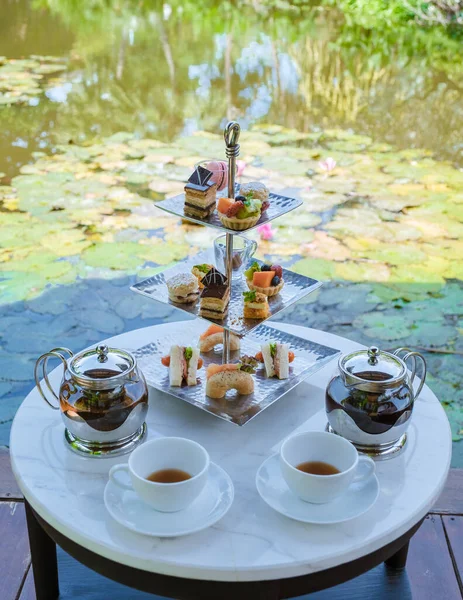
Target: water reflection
x=167, y=69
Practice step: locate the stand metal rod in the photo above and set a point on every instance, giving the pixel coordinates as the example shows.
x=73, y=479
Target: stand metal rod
x=229, y=265
x=231, y=136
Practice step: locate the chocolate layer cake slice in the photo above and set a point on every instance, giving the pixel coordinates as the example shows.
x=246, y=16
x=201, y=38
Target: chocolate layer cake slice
x=214, y=301
x=200, y=194
x=215, y=296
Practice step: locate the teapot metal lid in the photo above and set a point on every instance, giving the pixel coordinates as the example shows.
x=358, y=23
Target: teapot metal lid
x=373, y=369
x=101, y=368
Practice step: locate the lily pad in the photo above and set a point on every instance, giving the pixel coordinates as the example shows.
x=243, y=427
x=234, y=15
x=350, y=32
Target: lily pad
x=317, y=268
x=455, y=416
x=22, y=80
x=122, y=256
x=383, y=327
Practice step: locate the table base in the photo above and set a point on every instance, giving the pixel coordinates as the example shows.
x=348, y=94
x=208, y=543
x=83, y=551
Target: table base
x=43, y=539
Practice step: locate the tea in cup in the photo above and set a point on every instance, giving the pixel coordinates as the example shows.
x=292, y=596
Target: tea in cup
x=319, y=467
x=167, y=473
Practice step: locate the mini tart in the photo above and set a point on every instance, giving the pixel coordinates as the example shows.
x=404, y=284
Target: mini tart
x=238, y=224
x=268, y=291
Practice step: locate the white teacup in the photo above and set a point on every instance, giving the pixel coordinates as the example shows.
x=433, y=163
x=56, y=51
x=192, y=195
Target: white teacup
x=328, y=448
x=165, y=453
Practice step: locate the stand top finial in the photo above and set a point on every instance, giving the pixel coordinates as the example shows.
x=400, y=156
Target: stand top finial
x=231, y=134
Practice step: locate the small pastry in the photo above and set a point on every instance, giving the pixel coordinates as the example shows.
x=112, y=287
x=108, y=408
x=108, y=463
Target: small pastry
x=183, y=363
x=199, y=271
x=219, y=170
x=239, y=213
x=215, y=296
x=221, y=378
x=214, y=302
x=213, y=336
x=265, y=279
x=257, y=189
x=200, y=194
x=255, y=305
x=183, y=288
x=214, y=277
x=276, y=358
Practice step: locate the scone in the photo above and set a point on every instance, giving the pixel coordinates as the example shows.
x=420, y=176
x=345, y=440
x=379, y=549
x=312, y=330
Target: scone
x=255, y=305
x=183, y=288
x=257, y=189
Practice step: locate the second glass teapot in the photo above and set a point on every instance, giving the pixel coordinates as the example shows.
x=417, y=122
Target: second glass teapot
x=370, y=399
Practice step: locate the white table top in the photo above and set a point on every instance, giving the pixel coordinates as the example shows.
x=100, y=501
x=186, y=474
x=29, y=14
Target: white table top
x=252, y=542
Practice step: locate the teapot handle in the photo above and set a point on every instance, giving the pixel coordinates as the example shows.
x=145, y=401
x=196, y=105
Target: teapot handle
x=56, y=352
x=414, y=355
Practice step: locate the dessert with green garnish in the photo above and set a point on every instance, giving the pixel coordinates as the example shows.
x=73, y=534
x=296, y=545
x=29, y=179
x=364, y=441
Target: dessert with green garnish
x=241, y=212
x=199, y=271
x=266, y=279
x=255, y=305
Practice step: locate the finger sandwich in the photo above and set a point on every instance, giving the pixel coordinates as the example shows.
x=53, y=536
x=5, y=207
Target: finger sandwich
x=183, y=365
x=276, y=359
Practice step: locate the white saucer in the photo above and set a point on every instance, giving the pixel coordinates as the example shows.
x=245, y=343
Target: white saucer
x=272, y=488
x=210, y=506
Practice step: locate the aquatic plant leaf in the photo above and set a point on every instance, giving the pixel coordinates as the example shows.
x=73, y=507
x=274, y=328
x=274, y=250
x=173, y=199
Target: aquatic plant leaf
x=317, y=268
x=121, y=256
x=380, y=326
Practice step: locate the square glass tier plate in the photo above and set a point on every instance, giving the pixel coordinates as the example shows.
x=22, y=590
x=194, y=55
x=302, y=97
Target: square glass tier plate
x=279, y=205
x=309, y=358
x=296, y=287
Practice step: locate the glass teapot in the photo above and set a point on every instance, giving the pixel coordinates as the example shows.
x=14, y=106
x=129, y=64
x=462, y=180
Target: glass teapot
x=103, y=399
x=370, y=399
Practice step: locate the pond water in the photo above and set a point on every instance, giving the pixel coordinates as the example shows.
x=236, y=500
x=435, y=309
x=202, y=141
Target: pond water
x=163, y=70
x=76, y=219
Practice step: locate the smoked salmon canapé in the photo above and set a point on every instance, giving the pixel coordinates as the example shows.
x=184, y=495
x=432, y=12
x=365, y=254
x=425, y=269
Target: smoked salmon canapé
x=213, y=336
x=234, y=376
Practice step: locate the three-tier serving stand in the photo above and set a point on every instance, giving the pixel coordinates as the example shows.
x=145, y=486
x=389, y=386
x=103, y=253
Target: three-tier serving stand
x=309, y=355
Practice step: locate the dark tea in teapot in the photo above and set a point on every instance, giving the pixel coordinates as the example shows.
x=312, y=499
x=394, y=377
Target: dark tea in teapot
x=102, y=410
x=370, y=399
x=103, y=398
x=372, y=412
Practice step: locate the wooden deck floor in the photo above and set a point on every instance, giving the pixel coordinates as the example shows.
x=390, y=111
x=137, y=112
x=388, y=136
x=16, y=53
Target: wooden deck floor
x=434, y=567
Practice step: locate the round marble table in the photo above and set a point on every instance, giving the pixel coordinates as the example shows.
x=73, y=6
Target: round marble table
x=252, y=546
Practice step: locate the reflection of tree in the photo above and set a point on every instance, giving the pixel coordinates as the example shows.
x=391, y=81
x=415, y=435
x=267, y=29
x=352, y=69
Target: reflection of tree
x=156, y=73
x=23, y=33
x=336, y=85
